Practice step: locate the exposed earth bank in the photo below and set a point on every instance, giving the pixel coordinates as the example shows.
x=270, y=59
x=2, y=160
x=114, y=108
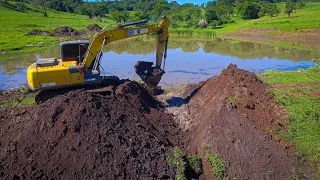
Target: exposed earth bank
x=66, y=31
x=306, y=37
x=234, y=117
x=121, y=132
x=89, y=135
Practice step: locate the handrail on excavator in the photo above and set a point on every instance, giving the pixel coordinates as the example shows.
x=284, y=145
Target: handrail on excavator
x=140, y=22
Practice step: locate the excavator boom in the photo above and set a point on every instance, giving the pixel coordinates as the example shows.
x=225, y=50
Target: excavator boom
x=119, y=33
x=150, y=75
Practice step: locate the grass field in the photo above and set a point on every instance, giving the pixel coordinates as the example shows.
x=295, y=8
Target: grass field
x=299, y=92
x=14, y=25
x=305, y=18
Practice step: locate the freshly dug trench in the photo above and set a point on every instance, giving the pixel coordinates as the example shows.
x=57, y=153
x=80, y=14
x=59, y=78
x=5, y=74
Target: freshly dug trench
x=87, y=135
x=234, y=117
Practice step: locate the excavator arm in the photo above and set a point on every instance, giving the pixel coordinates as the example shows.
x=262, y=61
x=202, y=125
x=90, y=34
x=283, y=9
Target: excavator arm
x=150, y=75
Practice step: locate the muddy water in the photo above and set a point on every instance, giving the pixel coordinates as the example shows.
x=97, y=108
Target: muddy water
x=189, y=60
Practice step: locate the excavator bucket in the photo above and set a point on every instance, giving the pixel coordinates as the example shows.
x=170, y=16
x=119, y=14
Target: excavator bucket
x=150, y=75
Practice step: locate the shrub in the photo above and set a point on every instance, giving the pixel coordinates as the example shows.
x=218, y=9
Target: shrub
x=249, y=10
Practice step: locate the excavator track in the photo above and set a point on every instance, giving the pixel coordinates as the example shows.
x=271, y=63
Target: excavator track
x=45, y=95
x=105, y=88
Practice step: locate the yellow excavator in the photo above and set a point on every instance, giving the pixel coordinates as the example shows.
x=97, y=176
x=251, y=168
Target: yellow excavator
x=80, y=60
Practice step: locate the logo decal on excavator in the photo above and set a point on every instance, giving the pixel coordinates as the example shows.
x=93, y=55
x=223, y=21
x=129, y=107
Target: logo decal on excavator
x=138, y=31
x=50, y=84
x=90, y=80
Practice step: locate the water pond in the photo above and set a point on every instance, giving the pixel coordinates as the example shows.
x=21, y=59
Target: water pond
x=189, y=60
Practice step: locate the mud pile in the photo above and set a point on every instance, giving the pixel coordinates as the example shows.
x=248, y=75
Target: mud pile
x=89, y=135
x=37, y=32
x=94, y=27
x=241, y=90
x=233, y=116
x=66, y=31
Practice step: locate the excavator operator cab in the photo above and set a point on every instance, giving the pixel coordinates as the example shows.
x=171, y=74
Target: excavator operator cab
x=74, y=50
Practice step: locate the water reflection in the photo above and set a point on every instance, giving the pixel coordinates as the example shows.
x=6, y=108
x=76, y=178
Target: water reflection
x=189, y=60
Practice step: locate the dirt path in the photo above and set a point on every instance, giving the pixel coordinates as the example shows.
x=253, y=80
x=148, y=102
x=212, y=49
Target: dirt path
x=307, y=37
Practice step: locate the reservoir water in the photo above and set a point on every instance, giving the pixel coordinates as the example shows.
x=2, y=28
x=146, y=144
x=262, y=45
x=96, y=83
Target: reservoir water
x=189, y=60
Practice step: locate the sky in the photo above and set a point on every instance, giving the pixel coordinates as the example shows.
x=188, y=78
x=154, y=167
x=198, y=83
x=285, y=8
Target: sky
x=190, y=1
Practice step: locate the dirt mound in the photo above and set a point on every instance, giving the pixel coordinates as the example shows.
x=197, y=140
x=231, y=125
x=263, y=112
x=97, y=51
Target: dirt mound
x=66, y=31
x=94, y=27
x=241, y=90
x=232, y=115
x=37, y=32
x=88, y=135
x=59, y=31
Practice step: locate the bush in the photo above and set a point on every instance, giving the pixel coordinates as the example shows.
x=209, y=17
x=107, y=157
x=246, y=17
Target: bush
x=211, y=15
x=273, y=10
x=215, y=24
x=269, y=9
x=217, y=167
x=301, y=4
x=249, y=10
x=174, y=25
x=290, y=8
x=117, y=16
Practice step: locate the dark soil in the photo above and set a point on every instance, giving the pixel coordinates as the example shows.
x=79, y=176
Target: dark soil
x=66, y=31
x=61, y=31
x=37, y=32
x=306, y=37
x=89, y=135
x=121, y=132
x=234, y=116
x=94, y=27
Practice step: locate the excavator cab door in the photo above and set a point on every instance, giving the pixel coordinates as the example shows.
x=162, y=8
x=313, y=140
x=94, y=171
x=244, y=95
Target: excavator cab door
x=74, y=50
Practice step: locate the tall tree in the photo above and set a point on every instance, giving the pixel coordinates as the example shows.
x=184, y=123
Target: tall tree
x=224, y=12
x=211, y=15
x=290, y=8
x=117, y=16
x=249, y=10
x=4, y=1
x=44, y=4
x=20, y=5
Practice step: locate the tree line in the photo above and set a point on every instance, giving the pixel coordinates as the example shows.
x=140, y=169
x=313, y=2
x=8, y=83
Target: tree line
x=207, y=15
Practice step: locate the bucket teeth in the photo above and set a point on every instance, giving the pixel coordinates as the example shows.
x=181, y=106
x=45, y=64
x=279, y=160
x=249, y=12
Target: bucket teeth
x=150, y=75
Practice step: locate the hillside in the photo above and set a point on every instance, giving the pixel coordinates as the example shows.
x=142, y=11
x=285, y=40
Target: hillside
x=305, y=18
x=14, y=26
